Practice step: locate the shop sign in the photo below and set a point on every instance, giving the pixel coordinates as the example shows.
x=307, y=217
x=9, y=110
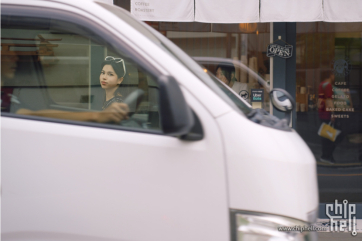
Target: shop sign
x=257, y=95
x=341, y=67
x=244, y=94
x=279, y=51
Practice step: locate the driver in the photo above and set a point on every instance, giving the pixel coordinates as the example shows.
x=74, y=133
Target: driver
x=226, y=73
x=112, y=74
x=114, y=112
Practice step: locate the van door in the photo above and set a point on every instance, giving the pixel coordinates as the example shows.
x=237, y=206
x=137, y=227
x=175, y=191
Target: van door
x=67, y=178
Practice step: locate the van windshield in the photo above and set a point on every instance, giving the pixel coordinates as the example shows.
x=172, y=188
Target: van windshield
x=210, y=80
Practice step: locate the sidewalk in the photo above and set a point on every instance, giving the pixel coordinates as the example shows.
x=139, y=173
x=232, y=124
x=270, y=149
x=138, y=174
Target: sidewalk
x=338, y=237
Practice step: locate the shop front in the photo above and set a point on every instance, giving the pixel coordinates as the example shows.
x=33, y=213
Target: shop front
x=329, y=57
x=312, y=49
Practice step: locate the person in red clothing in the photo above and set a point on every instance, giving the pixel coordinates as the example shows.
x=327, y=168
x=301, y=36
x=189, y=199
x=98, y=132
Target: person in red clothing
x=325, y=104
x=325, y=92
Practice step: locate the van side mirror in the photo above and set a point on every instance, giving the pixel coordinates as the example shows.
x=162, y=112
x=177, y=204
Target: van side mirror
x=176, y=116
x=282, y=101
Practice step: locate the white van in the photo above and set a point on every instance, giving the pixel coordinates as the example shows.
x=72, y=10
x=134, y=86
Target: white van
x=192, y=162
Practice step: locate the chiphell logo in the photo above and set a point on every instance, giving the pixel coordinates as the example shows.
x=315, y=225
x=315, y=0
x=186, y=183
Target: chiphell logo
x=339, y=214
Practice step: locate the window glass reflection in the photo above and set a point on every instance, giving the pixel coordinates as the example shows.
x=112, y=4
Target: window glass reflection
x=229, y=51
x=329, y=90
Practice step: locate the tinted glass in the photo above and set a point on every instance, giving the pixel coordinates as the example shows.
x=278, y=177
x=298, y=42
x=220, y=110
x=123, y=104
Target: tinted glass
x=55, y=69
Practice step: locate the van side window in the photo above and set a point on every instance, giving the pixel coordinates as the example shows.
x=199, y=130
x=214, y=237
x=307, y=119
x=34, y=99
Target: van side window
x=55, y=70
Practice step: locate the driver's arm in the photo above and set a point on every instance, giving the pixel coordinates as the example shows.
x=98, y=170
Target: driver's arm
x=116, y=112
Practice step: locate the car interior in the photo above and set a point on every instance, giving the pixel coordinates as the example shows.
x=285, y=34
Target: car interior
x=59, y=69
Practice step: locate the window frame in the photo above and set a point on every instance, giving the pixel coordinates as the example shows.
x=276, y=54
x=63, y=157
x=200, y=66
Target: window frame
x=117, y=43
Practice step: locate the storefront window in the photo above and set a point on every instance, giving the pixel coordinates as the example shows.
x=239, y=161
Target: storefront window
x=232, y=52
x=329, y=91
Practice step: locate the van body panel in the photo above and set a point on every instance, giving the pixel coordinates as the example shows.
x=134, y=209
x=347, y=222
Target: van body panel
x=63, y=179
x=269, y=170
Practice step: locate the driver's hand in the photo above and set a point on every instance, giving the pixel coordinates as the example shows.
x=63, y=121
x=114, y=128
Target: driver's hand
x=116, y=112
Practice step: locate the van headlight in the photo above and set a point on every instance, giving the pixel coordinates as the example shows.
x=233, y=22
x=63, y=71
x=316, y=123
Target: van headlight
x=251, y=226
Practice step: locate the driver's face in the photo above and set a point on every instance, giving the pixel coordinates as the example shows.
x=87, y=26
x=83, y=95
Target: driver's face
x=220, y=75
x=8, y=65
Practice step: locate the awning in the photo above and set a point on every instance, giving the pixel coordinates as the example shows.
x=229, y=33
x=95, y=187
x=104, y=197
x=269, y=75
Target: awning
x=247, y=11
x=342, y=11
x=163, y=10
x=291, y=10
x=227, y=11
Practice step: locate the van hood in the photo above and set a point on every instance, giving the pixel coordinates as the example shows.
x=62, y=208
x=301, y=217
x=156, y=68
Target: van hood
x=268, y=170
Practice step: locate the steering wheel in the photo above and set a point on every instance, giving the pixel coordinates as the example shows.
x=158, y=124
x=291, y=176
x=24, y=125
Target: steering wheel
x=130, y=101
